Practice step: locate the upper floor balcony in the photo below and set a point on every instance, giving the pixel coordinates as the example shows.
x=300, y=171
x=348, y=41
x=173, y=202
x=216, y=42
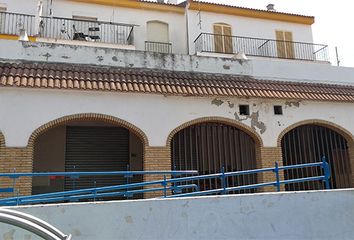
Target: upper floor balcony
x=88, y=30
x=66, y=30
x=260, y=47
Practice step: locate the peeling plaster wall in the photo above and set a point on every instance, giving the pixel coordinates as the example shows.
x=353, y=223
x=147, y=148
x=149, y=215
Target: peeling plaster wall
x=274, y=69
x=156, y=115
x=52, y=52
x=300, y=215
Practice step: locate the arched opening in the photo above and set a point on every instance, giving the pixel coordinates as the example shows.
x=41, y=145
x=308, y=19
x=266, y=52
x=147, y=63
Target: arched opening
x=85, y=145
x=309, y=143
x=210, y=146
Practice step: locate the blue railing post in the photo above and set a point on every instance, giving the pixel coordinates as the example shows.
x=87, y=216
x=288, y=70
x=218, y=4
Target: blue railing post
x=327, y=172
x=14, y=182
x=223, y=182
x=164, y=186
x=276, y=171
x=174, y=185
x=74, y=181
x=94, y=193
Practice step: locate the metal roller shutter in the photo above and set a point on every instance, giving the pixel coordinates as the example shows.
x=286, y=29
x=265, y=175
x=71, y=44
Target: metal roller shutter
x=309, y=143
x=208, y=147
x=96, y=149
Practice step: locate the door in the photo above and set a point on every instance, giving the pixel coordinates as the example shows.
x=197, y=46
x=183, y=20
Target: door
x=223, y=38
x=96, y=149
x=158, y=37
x=285, y=45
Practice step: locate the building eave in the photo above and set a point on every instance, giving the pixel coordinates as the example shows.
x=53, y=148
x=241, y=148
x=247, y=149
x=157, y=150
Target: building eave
x=137, y=4
x=252, y=13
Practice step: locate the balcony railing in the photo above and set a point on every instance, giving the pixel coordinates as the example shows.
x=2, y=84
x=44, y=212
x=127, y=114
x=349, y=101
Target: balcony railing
x=214, y=43
x=12, y=23
x=67, y=28
x=159, y=47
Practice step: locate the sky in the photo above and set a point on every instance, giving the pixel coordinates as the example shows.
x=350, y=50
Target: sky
x=334, y=22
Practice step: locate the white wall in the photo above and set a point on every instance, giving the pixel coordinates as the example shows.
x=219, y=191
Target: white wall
x=276, y=69
x=156, y=115
x=21, y=6
x=300, y=215
x=245, y=27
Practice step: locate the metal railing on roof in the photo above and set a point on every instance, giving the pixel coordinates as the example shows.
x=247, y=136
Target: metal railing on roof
x=159, y=47
x=261, y=47
x=67, y=28
x=177, y=184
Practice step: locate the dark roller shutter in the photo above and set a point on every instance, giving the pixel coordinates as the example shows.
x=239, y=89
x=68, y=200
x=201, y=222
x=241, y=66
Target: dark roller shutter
x=209, y=147
x=308, y=144
x=91, y=149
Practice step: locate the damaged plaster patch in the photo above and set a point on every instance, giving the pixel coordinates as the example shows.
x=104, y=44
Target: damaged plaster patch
x=47, y=55
x=100, y=58
x=255, y=123
x=115, y=59
x=217, y=102
x=231, y=105
x=226, y=67
x=292, y=104
x=65, y=57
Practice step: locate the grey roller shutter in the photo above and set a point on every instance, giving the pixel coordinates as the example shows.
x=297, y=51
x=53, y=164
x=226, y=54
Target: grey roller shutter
x=91, y=149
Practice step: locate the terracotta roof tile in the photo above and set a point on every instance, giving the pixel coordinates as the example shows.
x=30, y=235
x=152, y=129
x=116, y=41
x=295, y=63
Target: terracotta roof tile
x=85, y=77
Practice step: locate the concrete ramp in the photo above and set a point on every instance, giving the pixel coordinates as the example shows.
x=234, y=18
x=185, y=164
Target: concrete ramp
x=300, y=215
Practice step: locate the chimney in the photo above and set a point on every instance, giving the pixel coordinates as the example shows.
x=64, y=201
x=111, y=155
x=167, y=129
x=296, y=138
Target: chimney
x=270, y=7
x=172, y=2
x=160, y=1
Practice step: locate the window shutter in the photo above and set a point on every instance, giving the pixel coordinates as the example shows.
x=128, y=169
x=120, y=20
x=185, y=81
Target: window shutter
x=227, y=39
x=280, y=44
x=289, y=44
x=218, y=41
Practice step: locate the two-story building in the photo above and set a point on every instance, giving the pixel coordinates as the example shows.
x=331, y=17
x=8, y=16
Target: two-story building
x=104, y=85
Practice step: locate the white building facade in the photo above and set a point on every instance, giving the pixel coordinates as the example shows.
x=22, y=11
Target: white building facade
x=159, y=101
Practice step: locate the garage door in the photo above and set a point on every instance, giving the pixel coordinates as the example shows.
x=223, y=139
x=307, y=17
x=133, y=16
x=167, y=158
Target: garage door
x=96, y=149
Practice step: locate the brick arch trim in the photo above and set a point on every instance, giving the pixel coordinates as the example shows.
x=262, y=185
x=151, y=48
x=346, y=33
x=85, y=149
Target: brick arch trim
x=2, y=140
x=88, y=117
x=255, y=136
x=342, y=131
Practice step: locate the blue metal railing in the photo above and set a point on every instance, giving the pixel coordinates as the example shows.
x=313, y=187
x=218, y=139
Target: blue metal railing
x=176, y=184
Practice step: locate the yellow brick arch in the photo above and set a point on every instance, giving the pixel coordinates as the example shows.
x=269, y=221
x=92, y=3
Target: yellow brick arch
x=87, y=117
x=323, y=123
x=231, y=122
x=2, y=140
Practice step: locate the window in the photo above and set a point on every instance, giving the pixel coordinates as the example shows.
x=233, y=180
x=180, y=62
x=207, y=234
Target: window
x=244, y=110
x=285, y=45
x=223, y=38
x=158, y=37
x=278, y=110
x=157, y=32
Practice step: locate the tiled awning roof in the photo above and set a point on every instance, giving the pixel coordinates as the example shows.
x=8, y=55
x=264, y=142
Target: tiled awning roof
x=98, y=78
